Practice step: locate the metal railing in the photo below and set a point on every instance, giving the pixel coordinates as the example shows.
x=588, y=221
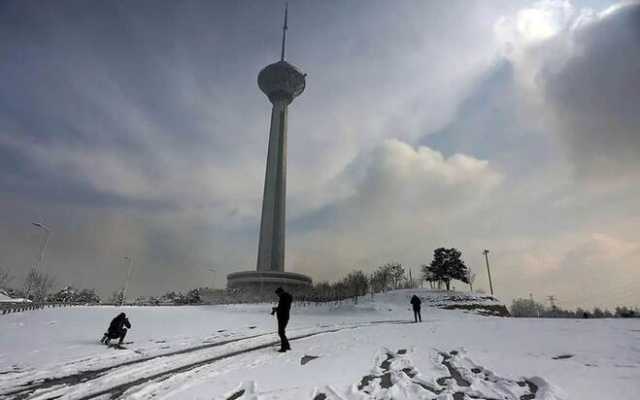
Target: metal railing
x=14, y=307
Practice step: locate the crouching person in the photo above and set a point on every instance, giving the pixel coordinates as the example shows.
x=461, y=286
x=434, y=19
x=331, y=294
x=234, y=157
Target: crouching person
x=117, y=329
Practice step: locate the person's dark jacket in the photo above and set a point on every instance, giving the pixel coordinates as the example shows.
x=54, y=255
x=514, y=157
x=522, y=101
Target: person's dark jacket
x=415, y=302
x=284, y=305
x=118, y=323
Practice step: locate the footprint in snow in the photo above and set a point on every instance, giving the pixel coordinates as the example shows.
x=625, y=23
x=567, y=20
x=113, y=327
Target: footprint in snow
x=395, y=376
x=306, y=358
x=562, y=356
x=246, y=391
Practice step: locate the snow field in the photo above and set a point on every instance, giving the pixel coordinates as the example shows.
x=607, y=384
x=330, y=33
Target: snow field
x=390, y=358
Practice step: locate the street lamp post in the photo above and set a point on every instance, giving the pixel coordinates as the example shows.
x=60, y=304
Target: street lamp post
x=43, y=247
x=213, y=279
x=126, y=282
x=486, y=258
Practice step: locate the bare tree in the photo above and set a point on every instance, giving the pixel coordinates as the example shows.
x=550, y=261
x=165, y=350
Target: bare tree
x=37, y=284
x=471, y=277
x=117, y=297
x=357, y=284
x=396, y=273
x=381, y=279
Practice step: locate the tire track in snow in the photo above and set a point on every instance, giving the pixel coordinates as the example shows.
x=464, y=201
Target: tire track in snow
x=117, y=391
x=87, y=377
x=25, y=390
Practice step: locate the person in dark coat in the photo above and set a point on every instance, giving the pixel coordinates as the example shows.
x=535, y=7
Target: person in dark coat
x=415, y=302
x=282, y=313
x=117, y=329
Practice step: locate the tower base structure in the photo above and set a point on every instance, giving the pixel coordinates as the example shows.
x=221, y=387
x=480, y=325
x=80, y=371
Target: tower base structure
x=264, y=283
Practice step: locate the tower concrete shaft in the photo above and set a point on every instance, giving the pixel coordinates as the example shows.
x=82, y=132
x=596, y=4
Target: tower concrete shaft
x=272, y=226
x=281, y=82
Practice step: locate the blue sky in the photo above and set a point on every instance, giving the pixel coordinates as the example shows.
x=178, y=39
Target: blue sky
x=137, y=129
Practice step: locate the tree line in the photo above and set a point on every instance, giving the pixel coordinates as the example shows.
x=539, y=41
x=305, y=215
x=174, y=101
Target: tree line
x=529, y=308
x=172, y=297
x=37, y=287
x=447, y=265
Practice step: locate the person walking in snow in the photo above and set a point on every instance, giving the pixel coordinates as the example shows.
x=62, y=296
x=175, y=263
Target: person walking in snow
x=415, y=302
x=282, y=313
x=117, y=329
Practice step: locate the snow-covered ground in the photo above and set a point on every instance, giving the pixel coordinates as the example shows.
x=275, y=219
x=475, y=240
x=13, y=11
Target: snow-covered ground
x=365, y=351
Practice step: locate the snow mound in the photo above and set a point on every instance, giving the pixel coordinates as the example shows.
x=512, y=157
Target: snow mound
x=449, y=300
x=5, y=298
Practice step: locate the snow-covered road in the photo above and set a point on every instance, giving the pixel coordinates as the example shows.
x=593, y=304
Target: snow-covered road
x=339, y=352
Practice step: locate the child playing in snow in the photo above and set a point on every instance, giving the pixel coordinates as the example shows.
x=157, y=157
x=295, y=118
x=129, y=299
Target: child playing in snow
x=117, y=329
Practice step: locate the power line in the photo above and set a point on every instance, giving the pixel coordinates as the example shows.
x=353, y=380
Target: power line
x=614, y=291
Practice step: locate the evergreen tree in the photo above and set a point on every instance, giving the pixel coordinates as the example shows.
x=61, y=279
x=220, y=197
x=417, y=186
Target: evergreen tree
x=428, y=276
x=65, y=295
x=192, y=297
x=87, y=296
x=447, y=265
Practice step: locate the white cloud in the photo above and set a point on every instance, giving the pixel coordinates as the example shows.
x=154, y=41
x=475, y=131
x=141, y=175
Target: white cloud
x=581, y=67
x=401, y=199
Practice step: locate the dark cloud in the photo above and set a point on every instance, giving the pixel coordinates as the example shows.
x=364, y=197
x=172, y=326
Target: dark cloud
x=595, y=94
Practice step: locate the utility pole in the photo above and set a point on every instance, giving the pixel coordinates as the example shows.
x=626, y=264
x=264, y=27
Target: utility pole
x=213, y=279
x=126, y=283
x=43, y=247
x=486, y=258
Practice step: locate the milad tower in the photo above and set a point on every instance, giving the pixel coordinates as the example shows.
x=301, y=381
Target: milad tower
x=281, y=82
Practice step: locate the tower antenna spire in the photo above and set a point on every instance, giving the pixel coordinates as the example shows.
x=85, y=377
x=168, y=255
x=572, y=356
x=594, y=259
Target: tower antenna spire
x=284, y=31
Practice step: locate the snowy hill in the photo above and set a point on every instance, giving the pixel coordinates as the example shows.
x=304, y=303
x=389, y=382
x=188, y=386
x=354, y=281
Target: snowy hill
x=369, y=350
x=449, y=300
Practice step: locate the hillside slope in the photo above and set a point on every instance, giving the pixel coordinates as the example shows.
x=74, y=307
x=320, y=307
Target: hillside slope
x=477, y=303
